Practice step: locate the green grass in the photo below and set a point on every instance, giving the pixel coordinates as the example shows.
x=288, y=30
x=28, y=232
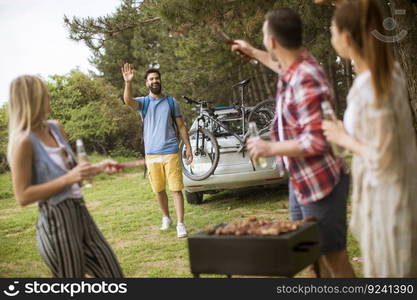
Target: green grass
x=124, y=208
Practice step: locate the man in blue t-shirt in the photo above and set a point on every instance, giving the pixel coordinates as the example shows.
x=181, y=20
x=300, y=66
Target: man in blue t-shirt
x=161, y=120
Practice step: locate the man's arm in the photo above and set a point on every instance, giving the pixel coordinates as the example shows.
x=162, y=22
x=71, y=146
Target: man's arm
x=184, y=137
x=262, y=148
x=311, y=140
x=258, y=54
x=127, y=72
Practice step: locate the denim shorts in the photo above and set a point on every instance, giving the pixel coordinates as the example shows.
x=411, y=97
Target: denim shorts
x=330, y=213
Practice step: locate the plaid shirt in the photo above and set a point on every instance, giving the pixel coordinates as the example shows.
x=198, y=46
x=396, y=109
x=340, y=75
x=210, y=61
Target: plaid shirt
x=301, y=89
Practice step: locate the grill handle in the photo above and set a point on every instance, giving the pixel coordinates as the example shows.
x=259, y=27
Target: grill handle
x=303, y=246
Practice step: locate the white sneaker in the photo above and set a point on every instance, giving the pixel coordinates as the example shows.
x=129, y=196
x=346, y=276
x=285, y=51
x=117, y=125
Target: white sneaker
x=166, y=222
x=181, y=231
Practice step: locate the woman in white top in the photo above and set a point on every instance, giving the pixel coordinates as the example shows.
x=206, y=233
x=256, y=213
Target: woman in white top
x=44, y=171
x=378, y=131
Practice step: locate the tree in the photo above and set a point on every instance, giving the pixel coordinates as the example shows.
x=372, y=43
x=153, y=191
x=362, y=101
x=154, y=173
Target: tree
x=407, y=47
x=90, y=109
x=183, y=40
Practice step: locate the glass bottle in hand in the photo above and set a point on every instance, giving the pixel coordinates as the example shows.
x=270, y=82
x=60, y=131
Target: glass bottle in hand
x=83, y=158
x=261, y=162
x=329, y=115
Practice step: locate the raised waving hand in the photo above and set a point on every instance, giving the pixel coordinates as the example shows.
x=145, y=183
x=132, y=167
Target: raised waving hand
x=128, y=73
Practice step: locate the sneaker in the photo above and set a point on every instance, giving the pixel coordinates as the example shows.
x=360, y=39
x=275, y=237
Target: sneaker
x=166, y=222
x=181, y=231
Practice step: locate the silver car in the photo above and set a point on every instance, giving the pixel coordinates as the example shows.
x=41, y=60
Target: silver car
x=235, y=169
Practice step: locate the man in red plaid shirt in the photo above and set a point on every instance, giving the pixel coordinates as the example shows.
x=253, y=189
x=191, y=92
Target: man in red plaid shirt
x=319, y=184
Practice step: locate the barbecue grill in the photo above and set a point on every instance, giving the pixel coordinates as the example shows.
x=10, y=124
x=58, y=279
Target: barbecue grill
x=270, y=255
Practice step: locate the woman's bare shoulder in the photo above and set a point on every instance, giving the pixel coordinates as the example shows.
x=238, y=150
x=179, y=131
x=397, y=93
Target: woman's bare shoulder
x=23, y=140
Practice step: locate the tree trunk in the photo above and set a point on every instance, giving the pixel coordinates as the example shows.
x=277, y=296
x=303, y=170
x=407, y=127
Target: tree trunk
x=256, y=89
x=348, y=73
x=252, y=93
x=407, y=47
x=333, y=81
x=266, y=81
x=259, y=84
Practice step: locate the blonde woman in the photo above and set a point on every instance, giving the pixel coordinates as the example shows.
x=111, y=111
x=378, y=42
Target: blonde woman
x=44, y=171
x=378, y=131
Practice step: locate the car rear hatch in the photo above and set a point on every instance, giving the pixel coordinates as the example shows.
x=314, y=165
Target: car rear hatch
x=231, y=161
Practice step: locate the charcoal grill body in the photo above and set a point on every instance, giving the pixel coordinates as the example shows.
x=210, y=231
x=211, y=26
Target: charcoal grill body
x=273, y=255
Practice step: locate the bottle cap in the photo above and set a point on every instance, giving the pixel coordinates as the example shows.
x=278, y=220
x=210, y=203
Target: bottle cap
x=79, y=142
x=253, y=130
x=325, y=104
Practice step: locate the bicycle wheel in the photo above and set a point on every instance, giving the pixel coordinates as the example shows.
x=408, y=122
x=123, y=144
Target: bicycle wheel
x=263, y=115
x=205, y=155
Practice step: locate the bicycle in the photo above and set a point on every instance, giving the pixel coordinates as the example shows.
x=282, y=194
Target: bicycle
x=209, y=126
x=262, y=113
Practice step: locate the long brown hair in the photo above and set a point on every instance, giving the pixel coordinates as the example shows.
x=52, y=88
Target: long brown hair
x=360, y=18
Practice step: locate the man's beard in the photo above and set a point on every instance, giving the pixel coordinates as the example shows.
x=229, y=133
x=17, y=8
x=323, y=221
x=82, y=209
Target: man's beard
x=155, y=89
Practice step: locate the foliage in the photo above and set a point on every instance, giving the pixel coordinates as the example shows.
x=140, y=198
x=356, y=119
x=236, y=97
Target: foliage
x=3, y=139
x=180, y=38
x=90, y=109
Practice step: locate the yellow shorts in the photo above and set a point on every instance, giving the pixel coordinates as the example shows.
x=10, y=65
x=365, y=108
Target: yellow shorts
x=168, y=170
